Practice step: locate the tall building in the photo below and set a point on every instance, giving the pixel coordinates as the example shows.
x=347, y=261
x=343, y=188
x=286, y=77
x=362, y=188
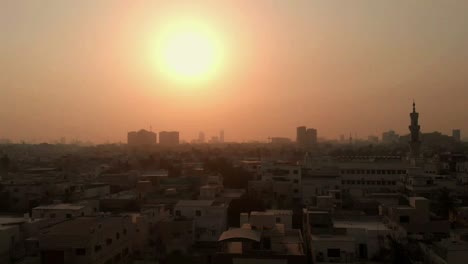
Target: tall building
x=311, y=137
x=221, y=136
x=456, y=134
x=415, y=128
x=301, y=135
x=201, y=137
x=140, y=138
x=169, y=138
x=305, y=137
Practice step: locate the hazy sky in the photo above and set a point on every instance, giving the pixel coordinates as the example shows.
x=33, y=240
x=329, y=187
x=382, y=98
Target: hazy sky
x=83, y=69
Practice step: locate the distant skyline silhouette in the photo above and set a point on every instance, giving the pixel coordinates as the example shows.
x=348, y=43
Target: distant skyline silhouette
x=82, y=69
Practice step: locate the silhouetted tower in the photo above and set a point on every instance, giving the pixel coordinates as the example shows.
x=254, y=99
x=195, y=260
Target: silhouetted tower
x=221, y=136
x=415, y=142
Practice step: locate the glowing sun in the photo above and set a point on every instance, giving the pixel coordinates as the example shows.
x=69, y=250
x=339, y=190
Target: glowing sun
x=188, y=52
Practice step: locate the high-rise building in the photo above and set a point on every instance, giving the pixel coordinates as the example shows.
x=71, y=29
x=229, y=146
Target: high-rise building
x=311, y=137
x=306, y=137
x=415, y=128
x=201, y=137
x=142, y=137
x=221, y=136
x=169, y=138
x=301, y=136
x=456, y=134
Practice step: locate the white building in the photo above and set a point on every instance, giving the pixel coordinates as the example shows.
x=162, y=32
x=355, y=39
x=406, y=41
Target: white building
x=286, y=173
x=210, y=217
x=65, y=210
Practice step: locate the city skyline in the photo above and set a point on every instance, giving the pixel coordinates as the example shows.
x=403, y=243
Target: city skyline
x=339, y=67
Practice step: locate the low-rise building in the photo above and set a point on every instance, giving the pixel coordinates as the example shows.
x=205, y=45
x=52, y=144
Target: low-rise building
x=247, y=246
x=414, y=219
x=62, y=211
x=100, y=240
x=210, y=217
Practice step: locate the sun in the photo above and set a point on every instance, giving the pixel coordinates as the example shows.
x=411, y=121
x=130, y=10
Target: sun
x=188, y=52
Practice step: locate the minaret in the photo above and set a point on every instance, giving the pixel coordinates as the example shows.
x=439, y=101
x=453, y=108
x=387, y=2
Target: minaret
x=415, y=142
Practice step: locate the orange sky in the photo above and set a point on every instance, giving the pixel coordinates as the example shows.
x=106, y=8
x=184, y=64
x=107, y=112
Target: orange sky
x=82, y=69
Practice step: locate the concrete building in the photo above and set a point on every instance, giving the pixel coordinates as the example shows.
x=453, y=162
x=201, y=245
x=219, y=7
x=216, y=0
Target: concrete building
x=414, y=219
x=62, y=211
x=320, y=181
x=247, y=246
x=100, y=240
x=343, y=240
x=169, y=138
x=453, y=250
x=456, y=135
x=210, y=217
x=284, y=173
x=306, y=138
x=176, y=235
x=267, y=220
x=221, y=136
x=141, y=138
x=370, y=174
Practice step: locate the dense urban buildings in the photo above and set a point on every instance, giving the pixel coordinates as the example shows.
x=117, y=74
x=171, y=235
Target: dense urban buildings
x=385, y=181
x=169, y=138
x=272, y=202
x=141, y=138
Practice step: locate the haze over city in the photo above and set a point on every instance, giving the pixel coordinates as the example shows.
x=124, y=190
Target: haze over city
x=93, y=70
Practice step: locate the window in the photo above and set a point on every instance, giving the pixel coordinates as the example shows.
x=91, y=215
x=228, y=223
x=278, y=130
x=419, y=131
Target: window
x=296, y=181
x=97, y=248
x=296, y=190
x=80, y=251
x=177, y=213
x=52, y=215
x=404, y=219
x=198, y=213
x=295, y=171
x=278, y=219
x=69, y=216
x=109, y=241
x=125, y=231
x=333, y=252
x=117, y=236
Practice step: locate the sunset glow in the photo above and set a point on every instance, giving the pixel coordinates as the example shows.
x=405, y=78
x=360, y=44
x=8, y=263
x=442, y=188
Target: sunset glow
x=188, y=52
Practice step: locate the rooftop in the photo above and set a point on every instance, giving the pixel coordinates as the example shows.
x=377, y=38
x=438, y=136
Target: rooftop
x=60, y=206
x=195, y=203
x=240, y=233
x=369, y=225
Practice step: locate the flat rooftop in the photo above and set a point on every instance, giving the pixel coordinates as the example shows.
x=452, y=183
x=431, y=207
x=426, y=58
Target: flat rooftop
x=369, y=225
x=195, y=203
x=61, y=206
